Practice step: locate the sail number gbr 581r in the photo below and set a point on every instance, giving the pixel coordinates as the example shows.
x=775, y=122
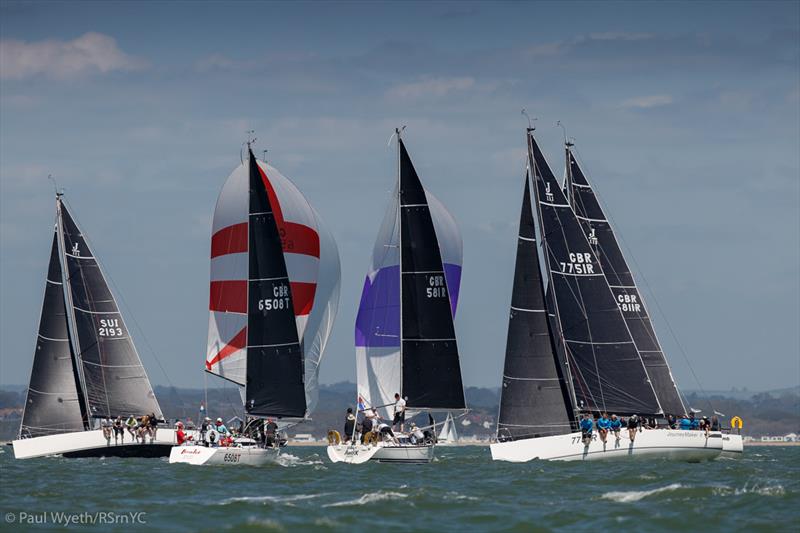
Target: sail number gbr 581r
x=281, y=299
x=579, y=263
x=436, y=287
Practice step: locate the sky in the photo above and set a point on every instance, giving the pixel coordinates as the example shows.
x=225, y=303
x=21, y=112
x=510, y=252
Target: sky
x=686, y=117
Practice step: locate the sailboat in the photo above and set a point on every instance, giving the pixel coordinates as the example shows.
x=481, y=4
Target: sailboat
x=570, y=349
x=583, y=200
x=274, y=293
x=448, y=436
x=404, y=334
x=85, y=366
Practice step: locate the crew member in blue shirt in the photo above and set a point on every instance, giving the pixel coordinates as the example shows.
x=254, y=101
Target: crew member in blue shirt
x=686, y=422
x=586, y=429
x=603, y=425
x=615, y=425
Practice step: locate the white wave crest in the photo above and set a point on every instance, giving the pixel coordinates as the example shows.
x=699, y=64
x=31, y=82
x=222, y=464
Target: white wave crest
x=636, y=495
x=288, y=500
x=371, y=497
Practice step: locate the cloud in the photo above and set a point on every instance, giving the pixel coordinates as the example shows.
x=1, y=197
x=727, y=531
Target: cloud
x=435, y=87
x=88, y=54
x=647, y=102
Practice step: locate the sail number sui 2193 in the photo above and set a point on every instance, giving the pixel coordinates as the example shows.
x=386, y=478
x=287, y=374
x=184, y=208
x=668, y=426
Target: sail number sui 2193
x=109, y=327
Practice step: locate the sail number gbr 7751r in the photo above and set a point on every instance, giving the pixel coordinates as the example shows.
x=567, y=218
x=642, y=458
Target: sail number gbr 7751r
x=579, y=263
x=280, y=299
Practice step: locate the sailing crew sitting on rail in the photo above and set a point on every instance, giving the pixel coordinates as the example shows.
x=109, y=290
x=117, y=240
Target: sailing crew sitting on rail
x=686, y=422
x=349, y=425
x=705, y=425
x=695, y=422
x=633, y=426
x=119, y=430
x=714, y=423
x=399, y=411
x=130, y=423
x=143, y=428
x=416, y=434
x=386, y=432
x=586, y=429
x=603, y=426
x=672, y=422
x=367, y=425
x=270, y=433
x=105, y=425
x=615, y=424
x=153, y=427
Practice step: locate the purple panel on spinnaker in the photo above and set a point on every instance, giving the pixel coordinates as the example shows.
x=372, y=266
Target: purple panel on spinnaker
x=452, y=274
x=378, y=320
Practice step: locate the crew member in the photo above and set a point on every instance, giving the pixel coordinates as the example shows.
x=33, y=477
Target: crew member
x=586, y=429
x=633, y=426
x=615, y=425
x=349, y=425
x=270, y=433
x=399, y=411
x=603, y=426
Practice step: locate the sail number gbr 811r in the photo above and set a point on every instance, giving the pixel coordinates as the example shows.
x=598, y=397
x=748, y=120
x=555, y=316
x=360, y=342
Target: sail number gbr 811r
x=281, y=299
x=579, y=263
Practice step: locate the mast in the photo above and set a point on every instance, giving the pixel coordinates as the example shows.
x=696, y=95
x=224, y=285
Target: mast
x=550, y=283
x=400, y=251
x=83, y=393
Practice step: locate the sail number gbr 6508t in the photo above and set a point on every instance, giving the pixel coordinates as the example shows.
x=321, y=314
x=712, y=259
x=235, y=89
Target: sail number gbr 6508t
x=280, y=300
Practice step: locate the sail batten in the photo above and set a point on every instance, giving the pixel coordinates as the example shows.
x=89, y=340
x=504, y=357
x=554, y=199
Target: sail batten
x=601, y=236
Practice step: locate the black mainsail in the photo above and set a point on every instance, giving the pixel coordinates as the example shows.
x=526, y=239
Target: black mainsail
x=275, y=375
x=53, y=403
x=114, y=379
x=622, y=283
x=431, y=374
x=85, y=365
x=606, y=369
x=535, y=399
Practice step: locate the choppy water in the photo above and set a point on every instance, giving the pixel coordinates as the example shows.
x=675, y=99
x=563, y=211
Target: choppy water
x=463, y=490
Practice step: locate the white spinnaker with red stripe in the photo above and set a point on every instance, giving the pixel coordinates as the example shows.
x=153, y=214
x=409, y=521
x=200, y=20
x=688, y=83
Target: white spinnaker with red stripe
x=312, y=263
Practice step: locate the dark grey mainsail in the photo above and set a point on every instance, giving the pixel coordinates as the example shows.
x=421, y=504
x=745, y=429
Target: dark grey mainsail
x=275, y=384
x=622, y=283
x=431, y=375
x=115, y=382
x=606, y=369
x=53, y=403
x=535, y=399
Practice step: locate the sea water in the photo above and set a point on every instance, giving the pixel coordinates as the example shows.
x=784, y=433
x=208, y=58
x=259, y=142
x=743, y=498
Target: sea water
x=463, y=490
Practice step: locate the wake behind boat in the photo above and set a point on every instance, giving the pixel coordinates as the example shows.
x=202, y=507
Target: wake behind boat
x=404, y=335
x=85, y=367
x=274, y=295
x=579, y=339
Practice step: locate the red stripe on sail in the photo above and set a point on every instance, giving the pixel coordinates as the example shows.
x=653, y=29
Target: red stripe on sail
x=229, y=240
x=303, y=297
x=295, y=238
x=237, y=343
x=228, y=296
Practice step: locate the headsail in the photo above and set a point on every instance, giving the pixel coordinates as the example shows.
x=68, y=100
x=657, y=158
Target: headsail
x=404, y=334
x=601, y=236
x=115, y=381
x=265, y=229
x=607, y=371
x=53, y=403
x=535, y=399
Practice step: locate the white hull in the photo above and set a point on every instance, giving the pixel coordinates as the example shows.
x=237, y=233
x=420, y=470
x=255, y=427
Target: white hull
x=382, y=453
x=224, y=455
x=93, y=444
x=732, y=445
x=668, y=443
